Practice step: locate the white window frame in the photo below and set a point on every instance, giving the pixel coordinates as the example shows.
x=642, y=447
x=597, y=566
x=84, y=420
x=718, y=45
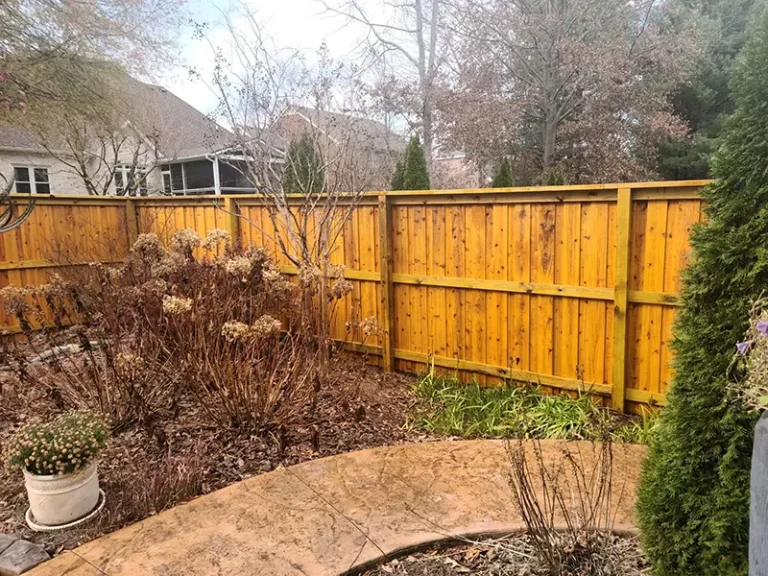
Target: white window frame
x=124, y=170
x=32, y=181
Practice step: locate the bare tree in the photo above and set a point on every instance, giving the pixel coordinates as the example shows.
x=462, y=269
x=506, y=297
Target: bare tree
x=257, y=88
x=578, y=86
x=11, y=214
x=46, y=47
x=408, y=37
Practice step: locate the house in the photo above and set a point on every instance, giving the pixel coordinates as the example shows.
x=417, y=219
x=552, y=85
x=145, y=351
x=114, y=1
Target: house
x=362, y=152
x=164, y=146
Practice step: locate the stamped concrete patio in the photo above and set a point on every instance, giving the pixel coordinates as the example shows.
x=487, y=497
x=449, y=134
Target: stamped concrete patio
x=327, y=516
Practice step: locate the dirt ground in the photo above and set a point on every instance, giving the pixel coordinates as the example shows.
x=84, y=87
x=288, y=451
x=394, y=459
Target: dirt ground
x=509, y=556
x=361, y=407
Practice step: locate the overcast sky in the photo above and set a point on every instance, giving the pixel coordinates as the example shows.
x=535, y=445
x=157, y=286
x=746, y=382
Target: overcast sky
x=301, y=24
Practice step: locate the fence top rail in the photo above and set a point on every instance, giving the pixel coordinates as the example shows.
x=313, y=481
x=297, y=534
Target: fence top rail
x=373, y=194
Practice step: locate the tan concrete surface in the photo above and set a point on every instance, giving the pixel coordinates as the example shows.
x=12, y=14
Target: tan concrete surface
x=326, y=516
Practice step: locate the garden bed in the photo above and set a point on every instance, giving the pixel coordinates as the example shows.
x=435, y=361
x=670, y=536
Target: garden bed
x=513, y=555
x=361, y=407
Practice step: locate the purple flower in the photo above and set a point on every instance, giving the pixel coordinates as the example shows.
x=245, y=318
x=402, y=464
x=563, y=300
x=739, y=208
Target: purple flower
x=742, y=347
x=762, y=327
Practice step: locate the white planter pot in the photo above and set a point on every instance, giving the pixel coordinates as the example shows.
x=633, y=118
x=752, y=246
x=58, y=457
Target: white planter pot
x=56, y=500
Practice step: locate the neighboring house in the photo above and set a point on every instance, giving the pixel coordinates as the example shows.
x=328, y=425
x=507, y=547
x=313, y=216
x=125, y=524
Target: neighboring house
x=360, y=152
x=454, y=171
x=174, y=149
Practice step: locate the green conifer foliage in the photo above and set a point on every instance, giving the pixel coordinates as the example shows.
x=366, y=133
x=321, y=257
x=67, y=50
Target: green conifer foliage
x=415, y=173
x=693, y=501
x=398, y=178
x=503, y=177
x=304, y=173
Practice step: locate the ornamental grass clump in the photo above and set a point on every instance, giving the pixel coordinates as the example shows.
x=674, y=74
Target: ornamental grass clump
x=64, y=445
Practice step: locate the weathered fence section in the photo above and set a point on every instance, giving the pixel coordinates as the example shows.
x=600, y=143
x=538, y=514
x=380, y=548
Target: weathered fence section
x=570, y=287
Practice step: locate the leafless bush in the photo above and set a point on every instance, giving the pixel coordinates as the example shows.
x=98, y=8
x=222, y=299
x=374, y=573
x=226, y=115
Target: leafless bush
x=166, y=323
x=567, y=508
x=143, y=487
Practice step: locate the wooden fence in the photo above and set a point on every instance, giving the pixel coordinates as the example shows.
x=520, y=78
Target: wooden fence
x=570, y=287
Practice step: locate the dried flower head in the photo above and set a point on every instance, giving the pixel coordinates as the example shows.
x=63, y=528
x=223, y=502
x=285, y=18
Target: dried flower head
x=341, y=288
x=271, y=273
x=266, y=326
x=308, y=274
x=184, y=241
x=129, y=365
x=369, y=326
x=156, y=287
x=169, y=264
x=239, y=266
x=63, y=446
x=174, y=305
x=13, y=300
x=336, y=270
x=148, y=246
x=234, y=330
x=214, y=238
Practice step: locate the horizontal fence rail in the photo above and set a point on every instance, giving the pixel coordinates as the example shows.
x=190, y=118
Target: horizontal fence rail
x=570, y=287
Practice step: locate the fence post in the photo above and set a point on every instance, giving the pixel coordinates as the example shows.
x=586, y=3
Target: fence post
x=620, y=296
x=131, y=221
x=387, y=296
x=233, y=221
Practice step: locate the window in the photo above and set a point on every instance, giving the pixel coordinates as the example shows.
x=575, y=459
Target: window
x=198, y=175
x=123, y=185
x=34, y=180
x=165, y=172
x=234, y=175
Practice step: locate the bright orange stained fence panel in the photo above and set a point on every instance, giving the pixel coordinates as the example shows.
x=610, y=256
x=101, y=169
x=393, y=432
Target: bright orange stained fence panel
x=489, y=284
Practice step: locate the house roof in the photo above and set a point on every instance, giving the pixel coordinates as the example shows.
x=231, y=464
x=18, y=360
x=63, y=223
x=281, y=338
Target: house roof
x=352, y=130
x=181, y=131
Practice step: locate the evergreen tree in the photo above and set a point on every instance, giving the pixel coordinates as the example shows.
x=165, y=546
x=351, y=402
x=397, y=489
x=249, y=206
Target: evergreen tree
x=398, y=177
x=503, y=177
x=693, y=501
x=304, y=173
x=415, y=173
x=705, y=101
x=555, y=177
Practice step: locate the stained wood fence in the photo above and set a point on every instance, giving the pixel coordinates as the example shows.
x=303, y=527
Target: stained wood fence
x=573, y=288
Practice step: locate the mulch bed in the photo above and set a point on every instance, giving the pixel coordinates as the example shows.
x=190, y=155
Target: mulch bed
x=509, y=556
x=361, y=407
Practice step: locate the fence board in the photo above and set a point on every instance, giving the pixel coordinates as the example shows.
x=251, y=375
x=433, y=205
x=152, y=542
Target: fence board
x=516, y=283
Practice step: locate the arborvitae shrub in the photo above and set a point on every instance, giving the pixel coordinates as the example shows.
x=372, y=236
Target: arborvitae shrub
x=503, y=177
x=693, y=502
x=304, y=173
x=399, y=176
x=415, y=172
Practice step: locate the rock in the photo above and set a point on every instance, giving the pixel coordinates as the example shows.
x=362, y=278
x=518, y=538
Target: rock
x=20, y=557
x=6, y=540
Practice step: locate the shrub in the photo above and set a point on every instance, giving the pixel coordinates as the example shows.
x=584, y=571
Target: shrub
x=503, y=177
x=568, y=508
x=415, y=171
x=693, y=501
x=398, y=178
x=167, y=323
x=63, y=446
x=304, y=172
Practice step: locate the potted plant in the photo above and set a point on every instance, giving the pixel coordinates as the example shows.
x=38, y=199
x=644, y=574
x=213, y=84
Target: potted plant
x=58, y=460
